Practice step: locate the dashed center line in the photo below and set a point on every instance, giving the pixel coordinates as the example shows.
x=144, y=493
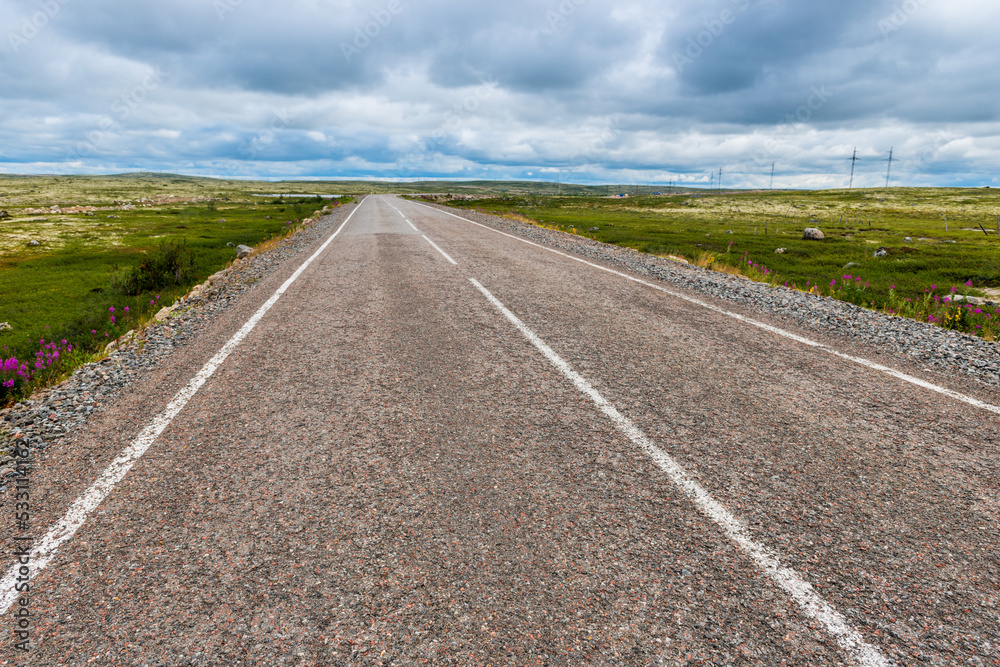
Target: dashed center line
x=401, y=214
x=435, y=245
x=811, y=604
x=899, y=375
x=423, y=236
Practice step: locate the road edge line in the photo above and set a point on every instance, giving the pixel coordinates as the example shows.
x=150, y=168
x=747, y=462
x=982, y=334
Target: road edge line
x=786, y=578
x=42, y=554
x=899, y=375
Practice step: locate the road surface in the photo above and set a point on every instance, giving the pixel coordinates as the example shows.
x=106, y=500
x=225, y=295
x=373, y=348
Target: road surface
x=440, y=444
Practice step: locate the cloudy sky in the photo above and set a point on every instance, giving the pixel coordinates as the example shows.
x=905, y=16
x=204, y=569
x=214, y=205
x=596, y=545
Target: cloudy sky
x=584, y=91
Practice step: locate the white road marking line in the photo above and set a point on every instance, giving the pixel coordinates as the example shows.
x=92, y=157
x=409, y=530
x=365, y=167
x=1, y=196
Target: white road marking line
x=786, y=578
x=424, y=236
x=761, y=325
x=402, y=214
x=439, y=250
x=43, y=553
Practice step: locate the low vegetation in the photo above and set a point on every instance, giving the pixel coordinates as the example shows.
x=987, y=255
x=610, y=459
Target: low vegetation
x=84, y=260
x=909, y=252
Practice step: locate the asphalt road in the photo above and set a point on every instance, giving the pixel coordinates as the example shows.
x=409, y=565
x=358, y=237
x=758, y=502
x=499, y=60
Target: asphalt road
x=443, y=445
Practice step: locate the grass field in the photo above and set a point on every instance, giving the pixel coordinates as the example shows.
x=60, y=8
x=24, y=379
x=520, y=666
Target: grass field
x=66, y=237
x=938, y=243
x=62, y=239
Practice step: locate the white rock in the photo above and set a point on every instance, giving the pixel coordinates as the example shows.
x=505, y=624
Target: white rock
x=974, y=300
x=243, y=251
x=121, y=342
x=164, y=313
x=812, y=234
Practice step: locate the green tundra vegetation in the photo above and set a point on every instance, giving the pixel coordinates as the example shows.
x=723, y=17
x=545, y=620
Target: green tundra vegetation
x=77, y=251
x=74, y=248
x=908, y=251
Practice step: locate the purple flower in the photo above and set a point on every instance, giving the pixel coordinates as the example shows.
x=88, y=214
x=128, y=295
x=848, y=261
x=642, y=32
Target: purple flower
x=112, y=309
x=126, y=309
x=151, y=302
x=947, y=299
x=933, y=287
x=954, y=289
x=968, y=283
x=112, y=319
x=892, y=287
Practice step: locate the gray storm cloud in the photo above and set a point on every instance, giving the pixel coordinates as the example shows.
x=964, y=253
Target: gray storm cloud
x=581, y=90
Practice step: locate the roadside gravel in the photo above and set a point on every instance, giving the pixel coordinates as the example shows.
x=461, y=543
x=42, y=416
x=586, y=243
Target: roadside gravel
x=922, y=343
x=58, y=412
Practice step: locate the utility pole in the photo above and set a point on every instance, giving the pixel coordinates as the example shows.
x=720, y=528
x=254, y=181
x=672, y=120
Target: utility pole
x=854, y=160
x=889, y=170
x=772, y=175
x=712, y=187
x=720, y=179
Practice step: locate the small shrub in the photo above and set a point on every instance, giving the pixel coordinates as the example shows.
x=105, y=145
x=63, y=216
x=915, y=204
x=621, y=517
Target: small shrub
x=170, y=264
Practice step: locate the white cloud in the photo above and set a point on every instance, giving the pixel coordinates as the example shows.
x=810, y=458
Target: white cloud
x=448, y=88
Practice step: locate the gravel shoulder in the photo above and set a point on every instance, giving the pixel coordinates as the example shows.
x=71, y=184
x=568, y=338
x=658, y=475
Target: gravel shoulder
x=922, y=344
x=386, y=472
x=56, y=414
